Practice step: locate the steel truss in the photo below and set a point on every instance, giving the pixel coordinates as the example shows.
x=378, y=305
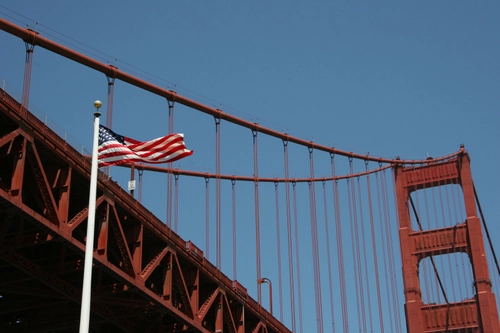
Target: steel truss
x=145, y=277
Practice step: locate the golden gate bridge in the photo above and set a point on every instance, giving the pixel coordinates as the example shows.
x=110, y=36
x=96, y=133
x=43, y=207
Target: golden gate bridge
x=368, y=245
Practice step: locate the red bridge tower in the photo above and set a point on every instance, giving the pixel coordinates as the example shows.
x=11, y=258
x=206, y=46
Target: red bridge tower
x=478, y=314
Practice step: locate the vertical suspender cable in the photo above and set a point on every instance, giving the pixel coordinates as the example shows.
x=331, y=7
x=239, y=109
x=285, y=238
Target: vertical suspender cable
x=357, y=250
x=374, y=249
x=290, y=236
x=169, y=165
x=390, y=254
x=132, y=175
x=139, y=194
x=315, y=247
x=207, y=218
x=328, y=257
x=297, y=254
x=28, y=65
x=340, y=249
x=385, y=255
x=217, y=195
x=278, y=245
x=109, y=106
x=176, y=204
x=109, y=109
x=363, y=246
x=357, y=284
x=257, y=211
x=233, y=192
x=395, y=290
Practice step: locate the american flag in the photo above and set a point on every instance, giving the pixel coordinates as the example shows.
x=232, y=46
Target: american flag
x=116, y=149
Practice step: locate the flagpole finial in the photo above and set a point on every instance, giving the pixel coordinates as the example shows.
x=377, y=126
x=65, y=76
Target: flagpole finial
x=97, y=105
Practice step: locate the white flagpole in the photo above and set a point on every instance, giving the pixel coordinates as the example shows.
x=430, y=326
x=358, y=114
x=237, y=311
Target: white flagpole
x=89, y=244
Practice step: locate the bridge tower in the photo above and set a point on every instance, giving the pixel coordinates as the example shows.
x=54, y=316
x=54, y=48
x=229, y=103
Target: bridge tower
x=478, y=314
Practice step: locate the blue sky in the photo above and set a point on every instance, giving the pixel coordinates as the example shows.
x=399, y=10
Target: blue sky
x=389, y=78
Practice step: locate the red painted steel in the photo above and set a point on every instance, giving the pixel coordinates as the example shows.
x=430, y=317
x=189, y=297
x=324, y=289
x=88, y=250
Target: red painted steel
x=476, y=315
x=146, y=278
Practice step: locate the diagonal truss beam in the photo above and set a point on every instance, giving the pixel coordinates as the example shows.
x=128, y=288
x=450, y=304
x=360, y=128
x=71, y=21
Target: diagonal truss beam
x=43, y=184
x=83, y=215
x=9, y=138
x=122, y=243
x=153, y=264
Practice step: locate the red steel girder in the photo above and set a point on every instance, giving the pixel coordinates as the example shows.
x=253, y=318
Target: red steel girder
x=439, y=241
x=432, y=174
x=460, y=317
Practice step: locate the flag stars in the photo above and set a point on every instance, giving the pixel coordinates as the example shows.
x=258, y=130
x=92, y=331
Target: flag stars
x=105, y=135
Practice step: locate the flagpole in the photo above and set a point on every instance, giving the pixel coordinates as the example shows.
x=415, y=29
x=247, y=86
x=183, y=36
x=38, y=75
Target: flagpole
x=89, y=243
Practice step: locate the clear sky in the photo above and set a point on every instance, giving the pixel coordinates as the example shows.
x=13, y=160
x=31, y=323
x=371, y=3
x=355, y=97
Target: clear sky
x=409, y=79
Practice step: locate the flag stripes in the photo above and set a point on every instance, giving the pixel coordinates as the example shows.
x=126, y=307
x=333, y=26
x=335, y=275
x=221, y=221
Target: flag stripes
x=115, y=149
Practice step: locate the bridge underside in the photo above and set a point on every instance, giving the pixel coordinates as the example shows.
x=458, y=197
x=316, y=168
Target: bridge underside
x=145, y=277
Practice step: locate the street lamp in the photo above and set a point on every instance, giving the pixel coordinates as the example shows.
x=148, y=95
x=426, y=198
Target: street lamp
x=266, y=280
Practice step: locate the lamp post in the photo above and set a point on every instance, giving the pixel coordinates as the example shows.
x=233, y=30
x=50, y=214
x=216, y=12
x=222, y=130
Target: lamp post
x=89, y=243
x=266, y=280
